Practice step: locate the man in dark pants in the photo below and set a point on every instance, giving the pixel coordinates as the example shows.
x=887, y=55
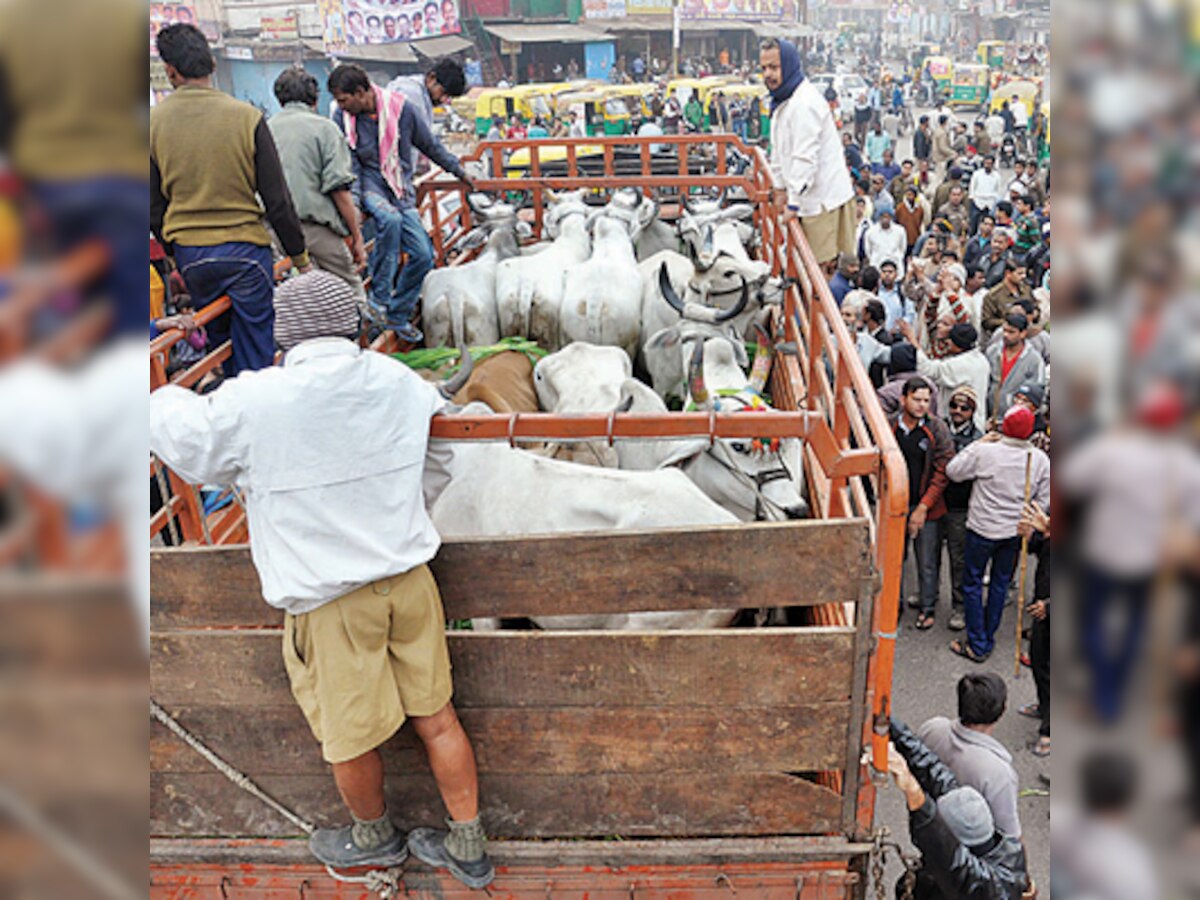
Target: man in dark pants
x=952, y=527
x=925, y=442
x=1035, y=525
x=383, y=128
x=211, y=159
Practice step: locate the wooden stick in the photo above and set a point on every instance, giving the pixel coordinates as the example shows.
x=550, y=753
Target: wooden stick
x=1021, y=569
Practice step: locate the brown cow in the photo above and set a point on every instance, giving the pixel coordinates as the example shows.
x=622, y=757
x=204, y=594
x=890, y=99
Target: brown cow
x=504, y=382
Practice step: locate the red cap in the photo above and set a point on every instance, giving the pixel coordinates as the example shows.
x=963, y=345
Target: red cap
x=1018, y=422
x=1161, y=406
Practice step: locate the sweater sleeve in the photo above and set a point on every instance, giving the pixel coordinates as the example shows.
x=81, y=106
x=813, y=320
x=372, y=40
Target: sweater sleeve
x=423, y=140
x=965, y=464
x=272, y=187
x=158, y=204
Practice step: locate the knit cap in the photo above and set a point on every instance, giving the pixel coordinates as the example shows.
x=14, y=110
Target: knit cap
x=967, y=815
x=1018, y=422
x=903, y=358
x=313, y=305
x=963, y=335
x=967, y=393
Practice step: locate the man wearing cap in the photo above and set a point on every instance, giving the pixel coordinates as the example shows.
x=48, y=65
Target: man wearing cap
x=329, y=448
x=961, y=418
x=963, y=854
x=997, y=463
x=1013, y=363
x=969, y=748
x=885, y=241
x=1011, y=287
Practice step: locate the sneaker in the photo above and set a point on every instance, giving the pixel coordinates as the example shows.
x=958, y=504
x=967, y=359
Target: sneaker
x=408, y=333
x=429, y=846
x=957, y=621
x=336, y=848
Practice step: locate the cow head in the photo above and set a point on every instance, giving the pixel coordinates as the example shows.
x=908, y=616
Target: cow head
x=560, y=207
x=632, y=209
x=749, y=477
x=493, y=218
x=581, y=377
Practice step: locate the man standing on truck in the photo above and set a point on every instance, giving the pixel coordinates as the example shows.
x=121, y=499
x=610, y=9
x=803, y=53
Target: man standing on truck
x=807, y=158
x=211, y=159
x=316, y=163
x=341, y=542
x=383, y=128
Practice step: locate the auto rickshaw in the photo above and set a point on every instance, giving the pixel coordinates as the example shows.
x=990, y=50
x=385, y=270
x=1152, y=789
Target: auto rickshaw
x=621, y=102
x=506, y=103
x=1015, y=92
x=588, y=105
x=991, y=53
x=969, y=86
x=748, y=94
x=552, y=160
x=941, y=70
x=920, y=53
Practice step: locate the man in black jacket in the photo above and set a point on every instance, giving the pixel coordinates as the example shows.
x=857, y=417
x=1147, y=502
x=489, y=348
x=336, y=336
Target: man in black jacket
x=952, y=531
x=964, y=857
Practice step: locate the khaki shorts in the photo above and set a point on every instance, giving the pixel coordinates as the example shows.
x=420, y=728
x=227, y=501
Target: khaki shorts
x=362, y=663
x=831, y=232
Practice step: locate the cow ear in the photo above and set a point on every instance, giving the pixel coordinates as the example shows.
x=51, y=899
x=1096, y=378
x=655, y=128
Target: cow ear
x=524, y=231
x=664, y=339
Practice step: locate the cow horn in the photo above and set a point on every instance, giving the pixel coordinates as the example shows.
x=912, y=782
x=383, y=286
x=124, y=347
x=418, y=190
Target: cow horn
x=625, y=405
x=736, y=310
x=686, y=205
x=696, y=386
x=668, y=289
x=458, y=380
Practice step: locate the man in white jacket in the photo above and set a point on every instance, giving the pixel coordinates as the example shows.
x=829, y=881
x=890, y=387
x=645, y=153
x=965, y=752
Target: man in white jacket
x=806, y=155
x=885, y=241
x=965, y=366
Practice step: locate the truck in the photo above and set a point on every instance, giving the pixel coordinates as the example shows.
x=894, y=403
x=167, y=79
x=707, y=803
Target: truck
x=612, y=764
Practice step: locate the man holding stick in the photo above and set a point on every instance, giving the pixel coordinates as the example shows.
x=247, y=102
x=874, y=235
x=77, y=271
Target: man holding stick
x=998, y=463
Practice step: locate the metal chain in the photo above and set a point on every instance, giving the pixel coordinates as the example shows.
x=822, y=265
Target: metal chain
x=911, y=864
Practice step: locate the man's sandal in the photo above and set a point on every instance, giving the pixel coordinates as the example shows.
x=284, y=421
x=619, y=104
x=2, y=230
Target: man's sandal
x=1039, y=747
x=1030, y=711
x=925, y=621
x=963, y=649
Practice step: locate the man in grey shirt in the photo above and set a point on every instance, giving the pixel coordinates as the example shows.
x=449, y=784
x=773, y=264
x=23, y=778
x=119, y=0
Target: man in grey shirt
x=967, y=746
x=319, y=173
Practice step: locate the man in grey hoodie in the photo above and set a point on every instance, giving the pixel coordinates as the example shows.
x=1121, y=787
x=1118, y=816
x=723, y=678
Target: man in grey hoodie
x=1014, y=363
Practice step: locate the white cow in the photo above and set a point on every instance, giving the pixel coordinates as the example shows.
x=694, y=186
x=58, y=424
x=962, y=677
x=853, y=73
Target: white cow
x=603, y=297
x=529, y=289
x=477, y=490
x=582, y=378
x=466, y=294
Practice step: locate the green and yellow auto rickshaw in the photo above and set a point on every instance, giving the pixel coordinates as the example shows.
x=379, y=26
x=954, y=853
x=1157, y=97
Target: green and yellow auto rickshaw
x=754, y=96
x=525, y=102
x=991, y=53
x=969, y=85
x=589, y=105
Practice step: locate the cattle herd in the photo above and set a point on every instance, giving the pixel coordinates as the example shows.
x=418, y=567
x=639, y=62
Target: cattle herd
x=633, y=325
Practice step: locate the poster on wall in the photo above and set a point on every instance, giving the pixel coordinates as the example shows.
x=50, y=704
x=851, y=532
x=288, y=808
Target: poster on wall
x=604, y=9
x=164, y=14
x=387, y=21
x=333, y=24
x=648, y=7
x=765, y=10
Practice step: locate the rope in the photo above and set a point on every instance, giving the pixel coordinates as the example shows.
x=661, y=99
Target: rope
x=241, y=780
x=387, y=883
x=106, y=882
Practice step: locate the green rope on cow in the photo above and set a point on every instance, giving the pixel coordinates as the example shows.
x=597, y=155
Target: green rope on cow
x=440, y=358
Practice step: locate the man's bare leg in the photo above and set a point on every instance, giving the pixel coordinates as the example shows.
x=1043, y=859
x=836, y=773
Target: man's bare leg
x=360, y=782
x=452, y=761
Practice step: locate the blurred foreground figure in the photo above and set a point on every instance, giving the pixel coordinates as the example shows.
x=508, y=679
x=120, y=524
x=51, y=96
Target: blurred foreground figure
x=1142, y=484
x=1096, y=856
x=72, y=124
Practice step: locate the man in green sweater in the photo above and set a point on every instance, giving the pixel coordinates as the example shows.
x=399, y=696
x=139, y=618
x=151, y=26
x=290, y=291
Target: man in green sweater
x=211, y=158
